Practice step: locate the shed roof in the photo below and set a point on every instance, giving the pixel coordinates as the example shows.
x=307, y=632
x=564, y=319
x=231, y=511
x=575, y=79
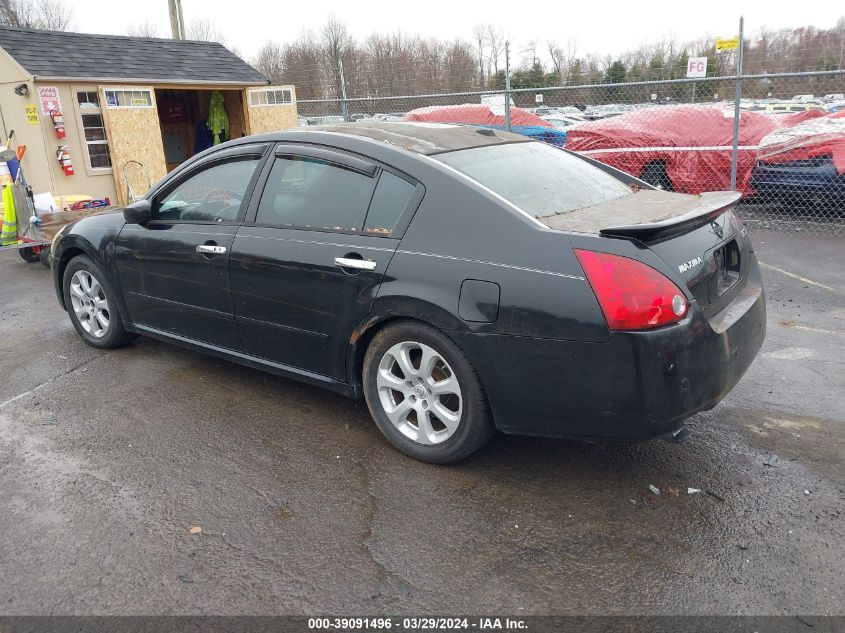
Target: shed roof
x=60, y=55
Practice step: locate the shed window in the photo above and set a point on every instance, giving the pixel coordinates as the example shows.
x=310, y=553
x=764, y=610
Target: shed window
x=88, y=99
x=93, y=129
x=129, y=98
x=270, y=96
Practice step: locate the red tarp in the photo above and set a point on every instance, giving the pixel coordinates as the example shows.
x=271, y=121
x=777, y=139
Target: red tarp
x=638, y=138
x=788, y=120
x=475, y=114
x=816, y=137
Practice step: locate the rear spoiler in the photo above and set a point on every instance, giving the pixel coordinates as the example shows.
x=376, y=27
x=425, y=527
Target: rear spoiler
x=710, y=206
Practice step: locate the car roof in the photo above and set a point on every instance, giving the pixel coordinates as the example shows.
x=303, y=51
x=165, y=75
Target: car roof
x=416, y=137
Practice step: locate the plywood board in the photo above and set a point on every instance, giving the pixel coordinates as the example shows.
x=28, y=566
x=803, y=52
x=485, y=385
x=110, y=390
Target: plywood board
x=271, y=118
x=233, y=103
x=134, y=134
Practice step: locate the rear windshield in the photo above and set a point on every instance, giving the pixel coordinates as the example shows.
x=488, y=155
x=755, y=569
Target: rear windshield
x=539, y=179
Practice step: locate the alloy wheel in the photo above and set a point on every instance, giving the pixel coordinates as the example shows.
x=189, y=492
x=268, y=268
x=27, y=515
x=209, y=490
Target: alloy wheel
x=419, y=392
x=89, y=303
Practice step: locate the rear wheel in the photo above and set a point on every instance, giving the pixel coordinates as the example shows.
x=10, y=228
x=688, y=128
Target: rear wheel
x=91, y=303
x=29, y=254
x=655, y=174
x=424, y=395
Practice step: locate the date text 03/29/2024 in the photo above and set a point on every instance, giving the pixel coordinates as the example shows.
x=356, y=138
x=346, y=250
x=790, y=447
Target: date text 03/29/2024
x=415, y=624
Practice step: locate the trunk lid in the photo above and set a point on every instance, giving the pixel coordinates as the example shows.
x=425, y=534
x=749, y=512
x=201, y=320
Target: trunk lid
x=699, y=237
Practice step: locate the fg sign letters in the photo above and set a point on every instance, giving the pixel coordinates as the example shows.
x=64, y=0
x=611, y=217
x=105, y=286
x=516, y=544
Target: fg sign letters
x=697, y=67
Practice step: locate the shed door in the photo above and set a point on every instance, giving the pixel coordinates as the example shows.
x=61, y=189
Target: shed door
x=271, y=109
x=134, y=135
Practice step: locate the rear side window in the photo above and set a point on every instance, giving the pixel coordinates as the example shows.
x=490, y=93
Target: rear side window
x=539, y=179
x=310, y=193
x=389, y=201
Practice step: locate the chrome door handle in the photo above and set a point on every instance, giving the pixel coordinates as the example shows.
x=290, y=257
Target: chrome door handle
x=359, y=264
x=212, y=249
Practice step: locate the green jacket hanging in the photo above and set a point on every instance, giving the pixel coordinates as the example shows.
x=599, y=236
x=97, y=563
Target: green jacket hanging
x=218, y=120
x=9, y=232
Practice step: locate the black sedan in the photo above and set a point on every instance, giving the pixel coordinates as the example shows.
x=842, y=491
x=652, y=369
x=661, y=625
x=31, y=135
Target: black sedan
x=462, y=280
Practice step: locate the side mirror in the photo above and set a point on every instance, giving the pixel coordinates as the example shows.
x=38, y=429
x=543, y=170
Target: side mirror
x=138, y=212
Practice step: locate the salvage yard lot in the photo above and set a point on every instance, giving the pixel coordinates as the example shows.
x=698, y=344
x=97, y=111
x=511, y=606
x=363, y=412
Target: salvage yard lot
x=108, y=459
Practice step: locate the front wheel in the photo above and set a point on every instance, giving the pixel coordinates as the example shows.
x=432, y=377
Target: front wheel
x=424, y=395
x=91, y=303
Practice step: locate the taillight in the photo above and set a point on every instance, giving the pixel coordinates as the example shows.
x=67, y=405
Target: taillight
x=632, y=295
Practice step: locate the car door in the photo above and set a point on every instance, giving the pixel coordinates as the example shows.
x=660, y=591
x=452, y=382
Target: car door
x=174, y=269
x=306, y=266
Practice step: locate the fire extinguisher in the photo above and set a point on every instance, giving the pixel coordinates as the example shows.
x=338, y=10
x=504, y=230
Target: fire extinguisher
x=58, y=123
x=63, y=156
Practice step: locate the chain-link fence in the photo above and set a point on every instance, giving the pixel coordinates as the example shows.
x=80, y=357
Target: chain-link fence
x=777, y=137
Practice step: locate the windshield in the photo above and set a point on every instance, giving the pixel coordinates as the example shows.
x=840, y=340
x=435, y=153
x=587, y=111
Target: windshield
x=538, y=178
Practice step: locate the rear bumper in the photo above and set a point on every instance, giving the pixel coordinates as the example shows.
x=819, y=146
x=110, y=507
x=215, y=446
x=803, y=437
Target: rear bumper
x=638, y=385
x=794, y=178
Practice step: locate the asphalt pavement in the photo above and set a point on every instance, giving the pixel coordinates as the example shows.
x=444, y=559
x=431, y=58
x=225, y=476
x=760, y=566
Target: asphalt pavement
x=108, y=459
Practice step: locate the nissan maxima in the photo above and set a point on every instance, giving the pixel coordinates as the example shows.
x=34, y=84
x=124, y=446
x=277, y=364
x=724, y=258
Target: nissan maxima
x=461, y=280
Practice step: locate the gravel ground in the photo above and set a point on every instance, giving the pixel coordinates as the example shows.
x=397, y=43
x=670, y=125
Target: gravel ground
x=108, y=459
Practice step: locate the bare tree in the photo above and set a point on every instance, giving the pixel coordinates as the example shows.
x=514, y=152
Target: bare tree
x=563, y=58
x=479, y=35
x=204, y=30
x=270, y=61
x=53, y=15
x=142, y=29
x=495, y=48
x=336, y=42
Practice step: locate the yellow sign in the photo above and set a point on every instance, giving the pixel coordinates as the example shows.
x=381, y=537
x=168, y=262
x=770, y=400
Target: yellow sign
x=32, y=114
x=727, y=44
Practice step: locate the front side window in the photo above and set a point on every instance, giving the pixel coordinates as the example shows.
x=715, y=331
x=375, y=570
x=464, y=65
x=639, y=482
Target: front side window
x=93, y=129
x=539, y=179
x=214, y=194
x=309, y=193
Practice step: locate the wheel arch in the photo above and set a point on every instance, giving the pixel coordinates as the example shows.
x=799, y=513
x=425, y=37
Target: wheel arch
x=72, y=246
x=61, y=262
x=427, y=314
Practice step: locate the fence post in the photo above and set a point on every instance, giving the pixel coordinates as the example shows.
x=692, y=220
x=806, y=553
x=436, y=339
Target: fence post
x=507, y=87
x=737, y=99
x=344, y=107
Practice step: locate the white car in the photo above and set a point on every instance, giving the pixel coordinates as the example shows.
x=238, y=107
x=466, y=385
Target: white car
x=561, y=122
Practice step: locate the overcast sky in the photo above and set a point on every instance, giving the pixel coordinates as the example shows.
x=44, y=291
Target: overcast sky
x=602, y=26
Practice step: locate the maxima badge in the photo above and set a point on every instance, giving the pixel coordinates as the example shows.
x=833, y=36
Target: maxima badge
x=690, y=264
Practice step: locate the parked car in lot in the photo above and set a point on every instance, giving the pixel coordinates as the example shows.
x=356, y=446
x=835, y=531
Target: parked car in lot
x=325, y=120
x=804, y=163
x=572, y=112
x=462, y=280
x=561, y=122
x=492, y=117
x=684, y=148
x=785, y=107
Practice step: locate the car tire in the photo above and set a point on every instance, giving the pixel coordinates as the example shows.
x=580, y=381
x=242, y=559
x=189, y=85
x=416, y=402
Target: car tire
x=437, y=410
x=44, y=256
x=29, y=254
x=91, y=303
x=656, y=175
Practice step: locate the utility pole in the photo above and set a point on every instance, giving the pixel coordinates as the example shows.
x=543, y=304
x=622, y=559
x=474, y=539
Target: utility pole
x=177, y=21
x=737, y=99
x=507, y=87
x=344, y=106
